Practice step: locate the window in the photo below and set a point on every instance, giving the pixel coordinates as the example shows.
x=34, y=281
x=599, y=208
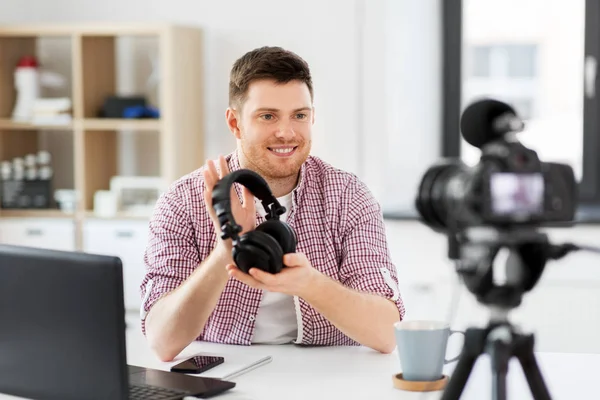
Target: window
x=542, y=61
x=480, y=61
x=535, y=64
x=506, y=72
x=523, y=106
x=521, y=60
x=502, y=60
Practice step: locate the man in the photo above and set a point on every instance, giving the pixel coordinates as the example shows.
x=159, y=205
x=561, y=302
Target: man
x=338, y=288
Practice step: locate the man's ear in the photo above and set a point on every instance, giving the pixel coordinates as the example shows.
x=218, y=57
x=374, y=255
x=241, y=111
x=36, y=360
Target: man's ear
x=231, y=116
x=313, y=115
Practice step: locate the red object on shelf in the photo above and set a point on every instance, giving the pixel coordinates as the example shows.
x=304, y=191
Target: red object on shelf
x=28, y=61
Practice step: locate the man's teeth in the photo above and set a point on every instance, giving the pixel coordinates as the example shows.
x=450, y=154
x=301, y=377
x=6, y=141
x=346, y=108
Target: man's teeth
x=289, y=149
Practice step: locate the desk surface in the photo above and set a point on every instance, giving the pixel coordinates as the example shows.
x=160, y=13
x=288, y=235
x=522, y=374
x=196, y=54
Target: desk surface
x=360, y=373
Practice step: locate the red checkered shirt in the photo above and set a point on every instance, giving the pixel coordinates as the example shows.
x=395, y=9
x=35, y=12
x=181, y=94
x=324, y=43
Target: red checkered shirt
x=339, y=227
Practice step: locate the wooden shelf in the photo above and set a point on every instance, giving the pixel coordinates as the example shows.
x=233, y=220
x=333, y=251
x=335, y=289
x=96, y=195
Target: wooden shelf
x=121, y=124
x=6, y=123
x=88, y=151
x=34, y=214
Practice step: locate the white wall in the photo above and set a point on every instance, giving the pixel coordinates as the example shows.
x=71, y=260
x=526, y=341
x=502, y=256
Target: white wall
x=401, y=107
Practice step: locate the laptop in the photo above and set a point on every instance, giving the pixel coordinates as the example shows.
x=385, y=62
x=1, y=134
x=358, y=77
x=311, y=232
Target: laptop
x=62, y=332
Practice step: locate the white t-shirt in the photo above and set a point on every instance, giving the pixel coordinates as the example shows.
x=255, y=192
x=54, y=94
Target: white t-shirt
x=276, y=321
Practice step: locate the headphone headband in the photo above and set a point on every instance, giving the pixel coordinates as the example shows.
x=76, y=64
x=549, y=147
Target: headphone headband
x=256, y=185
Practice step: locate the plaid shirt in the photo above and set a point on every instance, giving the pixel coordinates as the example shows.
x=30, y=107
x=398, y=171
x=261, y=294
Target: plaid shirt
x=339, y=227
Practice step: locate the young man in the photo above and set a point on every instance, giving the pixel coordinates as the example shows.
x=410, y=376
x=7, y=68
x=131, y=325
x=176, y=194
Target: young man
x=339, y=287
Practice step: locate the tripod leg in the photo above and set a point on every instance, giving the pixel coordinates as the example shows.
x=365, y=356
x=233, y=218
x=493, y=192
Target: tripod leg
x=500, y=355
x=472, y=348
x=524, y=353
x=459, y=377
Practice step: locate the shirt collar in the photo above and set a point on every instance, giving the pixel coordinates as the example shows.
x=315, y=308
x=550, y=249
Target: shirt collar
x=233, y=161
x=302, y=182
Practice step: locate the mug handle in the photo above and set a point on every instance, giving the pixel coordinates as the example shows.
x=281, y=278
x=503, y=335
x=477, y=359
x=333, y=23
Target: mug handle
x=455, y=358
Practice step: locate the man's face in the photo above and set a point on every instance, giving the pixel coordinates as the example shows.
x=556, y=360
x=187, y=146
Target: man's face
x=273, y=128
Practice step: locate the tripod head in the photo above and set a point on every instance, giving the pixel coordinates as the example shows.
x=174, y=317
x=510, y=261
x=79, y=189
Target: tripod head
x=475, y=249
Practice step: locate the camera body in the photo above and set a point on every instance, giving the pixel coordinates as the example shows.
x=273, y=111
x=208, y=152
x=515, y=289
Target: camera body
x=510, y=187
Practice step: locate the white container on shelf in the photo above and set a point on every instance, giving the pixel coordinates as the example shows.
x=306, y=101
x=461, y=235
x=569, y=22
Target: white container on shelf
x=27, y=83
x=105, y=204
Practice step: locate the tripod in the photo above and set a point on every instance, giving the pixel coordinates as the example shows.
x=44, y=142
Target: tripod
x=502, y=342
x=499, y=339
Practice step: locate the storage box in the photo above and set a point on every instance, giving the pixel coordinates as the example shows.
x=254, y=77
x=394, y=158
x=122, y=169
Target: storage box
x=25, y=194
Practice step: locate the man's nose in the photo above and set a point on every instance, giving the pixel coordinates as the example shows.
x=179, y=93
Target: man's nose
x=285, y=131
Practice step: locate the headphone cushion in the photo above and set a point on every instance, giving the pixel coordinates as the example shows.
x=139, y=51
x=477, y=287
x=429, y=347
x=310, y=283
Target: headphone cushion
x=248, y=256
x=258, y=250
x=281, y=232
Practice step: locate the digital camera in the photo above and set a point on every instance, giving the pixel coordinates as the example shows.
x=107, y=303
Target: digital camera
x=510, y=186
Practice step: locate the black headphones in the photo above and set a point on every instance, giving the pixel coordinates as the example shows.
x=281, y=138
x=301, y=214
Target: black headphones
x=265, y=246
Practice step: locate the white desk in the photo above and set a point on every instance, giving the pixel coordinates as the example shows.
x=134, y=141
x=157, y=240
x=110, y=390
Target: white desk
x=360, y=373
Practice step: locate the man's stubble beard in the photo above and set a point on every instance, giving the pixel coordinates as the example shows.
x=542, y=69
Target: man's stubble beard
x=269, y=171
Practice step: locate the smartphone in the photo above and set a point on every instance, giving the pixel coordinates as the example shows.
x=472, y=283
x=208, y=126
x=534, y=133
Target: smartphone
x=197, y=364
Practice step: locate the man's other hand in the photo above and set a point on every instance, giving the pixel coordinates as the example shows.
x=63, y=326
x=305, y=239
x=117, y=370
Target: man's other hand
x=243, y=212
x=296, y=279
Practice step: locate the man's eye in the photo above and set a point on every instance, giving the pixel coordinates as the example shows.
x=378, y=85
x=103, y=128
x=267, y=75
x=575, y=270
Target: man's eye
x=267, y=117
x=301, y=115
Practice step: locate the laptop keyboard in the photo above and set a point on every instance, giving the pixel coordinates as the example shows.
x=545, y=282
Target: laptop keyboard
x=146, y=392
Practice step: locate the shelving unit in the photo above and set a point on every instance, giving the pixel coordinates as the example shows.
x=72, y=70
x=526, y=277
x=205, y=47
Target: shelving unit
x=91, y=146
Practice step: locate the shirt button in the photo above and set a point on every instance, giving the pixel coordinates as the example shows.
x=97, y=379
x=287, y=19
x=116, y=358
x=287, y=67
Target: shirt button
x=251, y=318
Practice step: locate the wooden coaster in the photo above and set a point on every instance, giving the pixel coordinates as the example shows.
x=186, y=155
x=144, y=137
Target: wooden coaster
x=419, y=386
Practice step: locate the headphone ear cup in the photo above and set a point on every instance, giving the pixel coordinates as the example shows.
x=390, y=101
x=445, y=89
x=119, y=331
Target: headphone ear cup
x=281, y=232
x=246, y=256
x=258, y=250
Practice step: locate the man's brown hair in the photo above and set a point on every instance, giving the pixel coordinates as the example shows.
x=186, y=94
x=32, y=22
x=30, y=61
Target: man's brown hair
x=266, y=62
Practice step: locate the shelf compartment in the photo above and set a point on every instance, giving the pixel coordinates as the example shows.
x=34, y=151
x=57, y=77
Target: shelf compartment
x=17, y=143
x=97, y=73
x=100, y=155
x=107, y=63
x=20, y=143
x=11, y=51
x=54, y=54
x=109, y=153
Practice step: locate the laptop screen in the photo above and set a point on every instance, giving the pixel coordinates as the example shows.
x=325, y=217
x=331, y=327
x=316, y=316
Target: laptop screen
x=62, y=330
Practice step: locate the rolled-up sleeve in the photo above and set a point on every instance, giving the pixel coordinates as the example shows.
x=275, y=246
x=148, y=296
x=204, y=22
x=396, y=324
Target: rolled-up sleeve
x=171, y=254
x=366, y=264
